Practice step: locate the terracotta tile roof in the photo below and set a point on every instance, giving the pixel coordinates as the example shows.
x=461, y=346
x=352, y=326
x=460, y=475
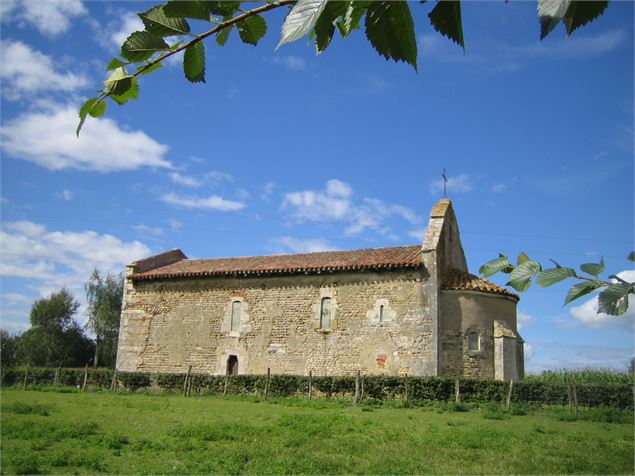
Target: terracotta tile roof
x=302, y=263
x=457, y=279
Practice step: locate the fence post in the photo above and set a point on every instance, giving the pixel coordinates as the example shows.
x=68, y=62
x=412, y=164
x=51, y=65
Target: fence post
x=226, y=382
x=457, y=391
x=113, y=383
x=575, y=400
x=356, y=397
x=509, y=394
x=187, y=379
x=56, y=379
x=310, y=383
x=267, y=382
x=85, y=377
x=406, y=385
x=361, y=394
x=26, y=375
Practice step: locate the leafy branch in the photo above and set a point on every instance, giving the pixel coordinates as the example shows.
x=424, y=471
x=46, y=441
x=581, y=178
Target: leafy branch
x=613, y=300
x=388, y=25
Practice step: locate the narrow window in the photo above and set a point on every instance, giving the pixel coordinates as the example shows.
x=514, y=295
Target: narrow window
x=473, y=341
x=381, y=314
x=325, y=313
x=236, y=310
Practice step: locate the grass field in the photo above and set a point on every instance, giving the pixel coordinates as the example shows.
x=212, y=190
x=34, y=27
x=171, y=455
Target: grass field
x=86, y=433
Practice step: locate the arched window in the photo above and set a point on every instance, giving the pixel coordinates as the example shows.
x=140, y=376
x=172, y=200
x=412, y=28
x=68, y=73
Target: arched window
x=325, y=313
x=235, y=318
x=473, y=341
x=381, y=314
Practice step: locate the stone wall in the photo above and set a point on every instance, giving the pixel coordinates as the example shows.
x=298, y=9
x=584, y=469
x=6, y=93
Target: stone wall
x=168, y=325
x=463, y=312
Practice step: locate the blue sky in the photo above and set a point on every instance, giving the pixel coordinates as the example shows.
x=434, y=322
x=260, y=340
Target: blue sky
x=286, y=151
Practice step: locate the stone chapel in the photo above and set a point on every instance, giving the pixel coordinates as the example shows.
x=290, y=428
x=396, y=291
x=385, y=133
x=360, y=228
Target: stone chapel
x=400, y=310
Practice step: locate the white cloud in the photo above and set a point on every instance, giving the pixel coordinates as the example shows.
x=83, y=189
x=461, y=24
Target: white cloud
x=213, y=202
x=13, y=299
x=586, y=313
x=338, y=203
x=66, y=195
x=462, y=183
x=50, y=260
x=48, y=138
x=242, y=193
x=574, y=47
x=291, y=63
x=523, y=319
x=498, y=187
x=175, y=225
x=127, y=25
x=528, y=351
x=25, y=72
x=299, y=245
x=186, y=180
x=49, y=17
x=148, y=230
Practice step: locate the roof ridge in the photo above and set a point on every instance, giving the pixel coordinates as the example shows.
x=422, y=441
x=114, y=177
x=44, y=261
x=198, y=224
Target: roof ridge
x=306, y=253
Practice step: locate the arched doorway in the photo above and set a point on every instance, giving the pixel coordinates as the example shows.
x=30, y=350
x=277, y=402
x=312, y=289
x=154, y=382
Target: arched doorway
x=232, y=365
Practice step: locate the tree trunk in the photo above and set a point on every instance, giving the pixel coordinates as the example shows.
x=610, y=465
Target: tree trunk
x=96, y=359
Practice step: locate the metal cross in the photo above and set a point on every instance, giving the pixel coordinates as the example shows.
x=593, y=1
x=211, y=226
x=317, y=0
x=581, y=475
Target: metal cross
x=445, y=181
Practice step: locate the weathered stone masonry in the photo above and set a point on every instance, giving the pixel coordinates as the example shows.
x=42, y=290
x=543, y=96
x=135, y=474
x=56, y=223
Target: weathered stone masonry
x=392, y=311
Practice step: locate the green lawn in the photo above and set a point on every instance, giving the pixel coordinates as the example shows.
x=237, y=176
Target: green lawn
x=52, y=432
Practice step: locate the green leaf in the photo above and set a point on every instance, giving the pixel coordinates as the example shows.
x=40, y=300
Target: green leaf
x=118, y=82
x=631, y=256
x=251, y=29
x=115, y=63
x=157, y=23
x=149, y=69
x=614, y=299
x=92, y=106
x=574, y=14
x=580, y=13
x=446, y=19
x=592, y=268
x=494, y=266
x=224, y=8
x=187, y=9
x=354, y=13
x=301, y=20
x=550, y=13
x=325, y=25
x=552, y=276
x=555, y=262
x=131, y=93
x=390, y=29
x=581, y=289
x=194, y=62
x=522, y=257
x=223, y=35
x=141, y=45
x=520, y=278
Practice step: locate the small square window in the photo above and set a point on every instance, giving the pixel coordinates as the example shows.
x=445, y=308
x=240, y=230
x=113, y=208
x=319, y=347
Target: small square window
x=473, y=342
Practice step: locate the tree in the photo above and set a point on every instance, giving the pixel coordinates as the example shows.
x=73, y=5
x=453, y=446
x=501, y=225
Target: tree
x=8, y=347
x=388, y=25
x=54, y=338
x=104, y=295
x=613, y=299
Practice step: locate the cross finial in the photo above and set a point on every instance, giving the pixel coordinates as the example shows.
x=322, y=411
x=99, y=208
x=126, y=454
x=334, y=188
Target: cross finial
x=445, y=181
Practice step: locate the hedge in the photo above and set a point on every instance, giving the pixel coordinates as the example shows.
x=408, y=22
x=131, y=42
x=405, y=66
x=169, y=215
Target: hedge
x=375, y=387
